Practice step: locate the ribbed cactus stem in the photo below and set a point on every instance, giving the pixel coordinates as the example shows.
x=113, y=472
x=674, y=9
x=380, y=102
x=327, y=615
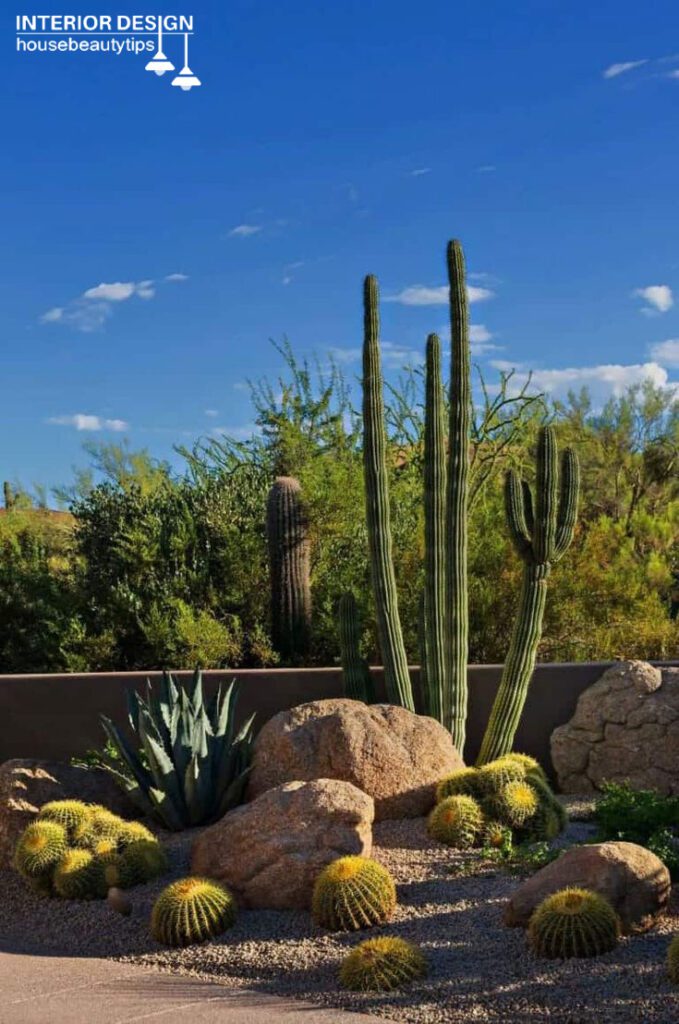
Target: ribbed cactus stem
x=540, y=540
x=457, y=624
x=8, y=495
x=378, y=516
x=356, y=677
x=434, y=667
x=288, y=540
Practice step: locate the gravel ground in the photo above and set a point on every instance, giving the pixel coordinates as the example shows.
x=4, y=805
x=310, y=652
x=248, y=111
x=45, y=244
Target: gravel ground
x=480, y=971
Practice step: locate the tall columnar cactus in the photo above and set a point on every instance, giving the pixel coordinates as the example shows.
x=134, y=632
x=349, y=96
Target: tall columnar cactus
x=8, y=495
x=457, y=611
x=378, y=516
x=288, y=540
x=541, y=538
x=434, y=669
x=358, y=682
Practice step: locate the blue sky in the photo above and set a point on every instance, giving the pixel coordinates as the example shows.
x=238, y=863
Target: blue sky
x=177, y=232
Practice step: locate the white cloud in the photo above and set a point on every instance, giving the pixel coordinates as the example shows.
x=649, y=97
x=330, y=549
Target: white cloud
x=145, y=290
x=666, y=352
x=673, y=74
x=85, y=421
x=486, y=168
x=52, y=315
x=479, y=333
x=419, y=171
x=619, y=69
x=658, y=296
x=421, y=295
x=602, y=382
x=244, y=230
x=242, y=433
x=176, y=277
x=394, y=357
x=211, y=413
x=117, y=292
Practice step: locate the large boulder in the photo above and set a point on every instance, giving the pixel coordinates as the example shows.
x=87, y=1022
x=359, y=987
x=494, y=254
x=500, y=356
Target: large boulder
x=634, y=881
x=270, y=852
x=625, y=727
x=395, y=756
x=25, y=785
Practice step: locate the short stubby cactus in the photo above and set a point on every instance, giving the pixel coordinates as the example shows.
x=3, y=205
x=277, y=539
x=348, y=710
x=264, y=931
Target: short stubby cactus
x=497, y=836
x=40, y=847
x=465, y=782
x=352, y=893
x=134, y=832
x=673, y=960
x=532, y=766
x=497, y=774
x=72, y=814
x=79, y=876
x=192, y=910
x=382, y=965
x=573, y=923
x=142, y=861
x=515, y=804
x=456, y=821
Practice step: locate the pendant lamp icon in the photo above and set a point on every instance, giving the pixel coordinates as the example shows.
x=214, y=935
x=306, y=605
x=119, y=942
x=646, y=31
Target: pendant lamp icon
x=186, y=79
x=160, y=64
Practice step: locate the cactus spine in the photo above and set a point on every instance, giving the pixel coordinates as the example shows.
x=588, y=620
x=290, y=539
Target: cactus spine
x=288, y=541
x=457, y=624
x=378, y=516
x=432, y=628
x=358, y=682
x=540, y=539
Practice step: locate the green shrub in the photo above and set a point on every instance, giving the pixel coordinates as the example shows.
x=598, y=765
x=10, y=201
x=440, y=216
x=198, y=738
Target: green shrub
x=634, y=815
x=573, y=923
x=382, y=965
x=352, y=893
x=192, y=910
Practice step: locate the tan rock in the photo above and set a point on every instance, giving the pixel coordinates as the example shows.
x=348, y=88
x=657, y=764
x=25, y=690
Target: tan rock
x=270, y=852
x=395, y=756
x=634, y=881
x=625, y=728
x=25, y=785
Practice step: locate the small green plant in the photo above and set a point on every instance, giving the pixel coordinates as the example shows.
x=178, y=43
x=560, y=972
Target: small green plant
x=192, y=910
x=573, y=923
x=665, y=844
x=79, y=875
x=40, y=847
x=382, y=965
x=352, y=893
x=457, y=821
x=673, y=960
x=634, y=815
x=196, y=760
x=497, y=838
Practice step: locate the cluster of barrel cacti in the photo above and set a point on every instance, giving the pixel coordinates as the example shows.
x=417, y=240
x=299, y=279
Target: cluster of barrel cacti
x=79, y=851
x=506, y=800
x=541, y=528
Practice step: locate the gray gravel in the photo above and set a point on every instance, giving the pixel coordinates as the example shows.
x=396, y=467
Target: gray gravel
x=480, y=971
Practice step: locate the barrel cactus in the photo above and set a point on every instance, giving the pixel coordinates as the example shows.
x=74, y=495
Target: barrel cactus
x=382, y=965
x=352, y=893
x=573, y=923
x=465, y=781
x=142, y=861
x=673, y=960
x=192, y=910
x=496, y=836
x=134, y=832
x=72, y=814
x=40, y=847
x=456, y=821
x=515, y=804
x=497, y=774
x=79, y=875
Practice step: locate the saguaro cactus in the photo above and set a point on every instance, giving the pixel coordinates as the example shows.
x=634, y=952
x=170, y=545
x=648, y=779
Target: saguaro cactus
x=358, y=682
x=433, y=669
x=457, y=610
x=540, y=539
x=378, y=516
x=8, y=495
x=288, y=541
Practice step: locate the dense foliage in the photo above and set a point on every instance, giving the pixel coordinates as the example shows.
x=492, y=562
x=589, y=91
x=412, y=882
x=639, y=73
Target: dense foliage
x=153, y=568
x=641, y=816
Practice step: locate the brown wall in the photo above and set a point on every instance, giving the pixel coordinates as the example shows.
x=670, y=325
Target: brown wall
x=56, y=716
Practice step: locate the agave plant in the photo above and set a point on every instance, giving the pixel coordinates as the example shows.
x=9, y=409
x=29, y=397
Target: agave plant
x=191, y=765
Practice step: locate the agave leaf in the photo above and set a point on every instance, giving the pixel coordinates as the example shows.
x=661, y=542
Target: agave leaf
x=232, y=795
x=140, y=773
x=133, y=709
x=223, y=722
x=199, y=790
x=162, y=768
x=166, y=811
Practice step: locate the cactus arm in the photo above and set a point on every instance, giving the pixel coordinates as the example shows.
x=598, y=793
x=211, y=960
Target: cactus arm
x=378, y=516
x=457, y=626
x=518, y=668
x=568, y=503
x=434, y=668
x=516, y=507
x=546, y=494
x=356, y=677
